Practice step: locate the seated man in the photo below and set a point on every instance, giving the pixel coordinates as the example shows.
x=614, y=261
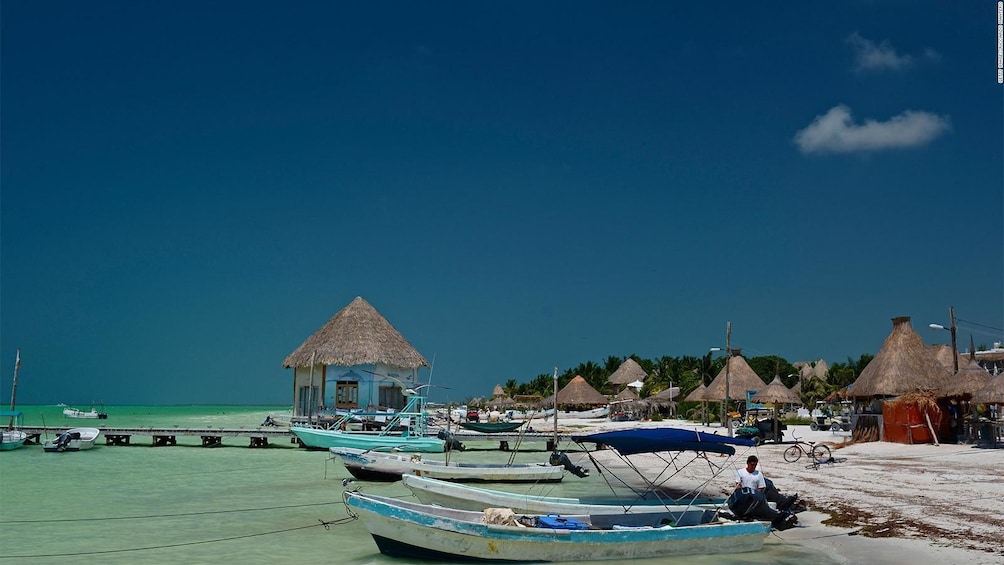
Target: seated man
x=749, y=500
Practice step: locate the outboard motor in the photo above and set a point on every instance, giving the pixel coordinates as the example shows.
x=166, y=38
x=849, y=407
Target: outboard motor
x=559, y=458
x=452, y=443
x=65, y=438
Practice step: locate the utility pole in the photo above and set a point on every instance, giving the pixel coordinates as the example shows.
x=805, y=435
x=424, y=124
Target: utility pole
x=955, y=347
x=728, y=361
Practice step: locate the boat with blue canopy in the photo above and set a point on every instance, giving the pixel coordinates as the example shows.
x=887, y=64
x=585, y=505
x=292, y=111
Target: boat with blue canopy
x=572, y=532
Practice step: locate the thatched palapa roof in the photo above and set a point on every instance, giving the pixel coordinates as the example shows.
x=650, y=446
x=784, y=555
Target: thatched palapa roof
x=628, y=372
x=697, y=395
x=578, y=392
x=627, y=395
x=807, y=370
x=498, y=391
x=992, y=393
x=903, y=365
x=741, y=379
x=776, y=393
x=357, y=335
x=970, y=378
x=943, y=353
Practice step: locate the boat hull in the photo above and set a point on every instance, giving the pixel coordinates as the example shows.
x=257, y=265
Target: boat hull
x=491, y=427
x=415, y=531
x=326, y=439
x=12, y=439
x=370, y=465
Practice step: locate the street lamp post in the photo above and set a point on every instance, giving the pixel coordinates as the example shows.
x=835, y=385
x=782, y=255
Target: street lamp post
x=955, y=347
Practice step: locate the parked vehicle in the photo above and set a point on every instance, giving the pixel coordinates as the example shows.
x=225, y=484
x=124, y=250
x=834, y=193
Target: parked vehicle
x=759, y=427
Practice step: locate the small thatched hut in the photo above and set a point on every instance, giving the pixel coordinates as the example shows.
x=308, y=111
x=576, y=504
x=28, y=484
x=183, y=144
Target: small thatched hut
x=742, y=379
x=352, y=361
x=628, y=372
x=579, y=393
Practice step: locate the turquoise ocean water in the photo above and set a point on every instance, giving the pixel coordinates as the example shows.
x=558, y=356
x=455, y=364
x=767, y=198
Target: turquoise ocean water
x=230, y=504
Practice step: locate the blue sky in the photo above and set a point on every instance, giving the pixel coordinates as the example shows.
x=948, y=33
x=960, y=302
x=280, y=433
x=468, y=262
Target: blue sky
x=189, y=190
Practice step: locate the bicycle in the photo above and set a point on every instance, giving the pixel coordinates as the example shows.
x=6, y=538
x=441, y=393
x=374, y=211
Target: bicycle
x=818, y=453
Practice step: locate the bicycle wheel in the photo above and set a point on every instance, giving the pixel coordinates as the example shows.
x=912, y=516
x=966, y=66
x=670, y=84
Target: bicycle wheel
x=792, y=453
x=820, y=453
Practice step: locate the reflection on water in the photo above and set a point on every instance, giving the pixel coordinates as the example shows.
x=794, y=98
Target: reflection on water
x=189, y=504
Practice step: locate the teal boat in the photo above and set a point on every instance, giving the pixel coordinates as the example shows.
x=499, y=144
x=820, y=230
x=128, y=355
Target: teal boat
x=13, y=437
x=414, y=437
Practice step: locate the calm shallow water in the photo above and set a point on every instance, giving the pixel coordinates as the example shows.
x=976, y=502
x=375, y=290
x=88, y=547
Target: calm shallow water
x=189, y=504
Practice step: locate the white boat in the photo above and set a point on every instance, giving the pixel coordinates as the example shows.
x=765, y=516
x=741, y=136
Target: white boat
x=578, y=414
x=602, y=512
x=12, y=437
x=74, y=439
x=418, y=531
x=382, y=466
x=70, y=412
x=412, y=438
x=469, y=497
x=429, y=531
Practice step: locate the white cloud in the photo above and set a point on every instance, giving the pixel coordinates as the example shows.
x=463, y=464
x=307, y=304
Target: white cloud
x=872, y=56
x=835, y=132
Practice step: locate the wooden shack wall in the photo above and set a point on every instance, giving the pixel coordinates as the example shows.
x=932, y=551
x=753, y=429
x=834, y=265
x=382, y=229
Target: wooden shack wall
x=904, y=422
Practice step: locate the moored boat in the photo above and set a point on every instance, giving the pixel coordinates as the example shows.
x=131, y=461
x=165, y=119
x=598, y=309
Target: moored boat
x=611, y=531
x=381, y=466
x=404, y=431
x=469, y=497
x=71, y=412
x=418, y=531
x=74, y=439
x=12, y=436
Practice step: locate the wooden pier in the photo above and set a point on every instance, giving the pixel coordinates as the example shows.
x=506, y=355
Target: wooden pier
x=211, y=437
x=260, y=437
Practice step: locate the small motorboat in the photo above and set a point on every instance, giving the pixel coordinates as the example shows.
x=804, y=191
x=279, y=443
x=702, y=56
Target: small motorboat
x=74, y=439
x=71, y=412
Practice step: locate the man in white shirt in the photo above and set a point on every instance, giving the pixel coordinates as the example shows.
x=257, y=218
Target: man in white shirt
x=751, y=477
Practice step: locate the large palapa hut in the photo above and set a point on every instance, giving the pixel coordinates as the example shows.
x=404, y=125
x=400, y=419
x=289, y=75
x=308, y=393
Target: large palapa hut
x=578, y=393
x=742, y=380
x=356, y=360
x=903, y=366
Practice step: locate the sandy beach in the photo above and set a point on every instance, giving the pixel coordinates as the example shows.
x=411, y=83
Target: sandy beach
x=883, y=503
